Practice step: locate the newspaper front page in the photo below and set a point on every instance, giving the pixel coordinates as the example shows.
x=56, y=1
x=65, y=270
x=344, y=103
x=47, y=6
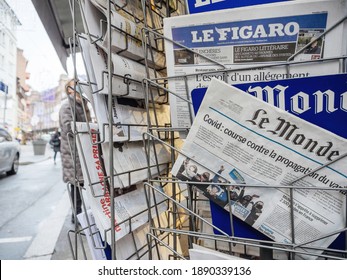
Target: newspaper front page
x=239, y=139
x=242, y=38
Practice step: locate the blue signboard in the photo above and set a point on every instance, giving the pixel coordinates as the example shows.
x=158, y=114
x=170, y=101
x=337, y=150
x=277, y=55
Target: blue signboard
x=200, y=6
x=48, y=95
x=3, y=87
x=255, y=31
x=319, y=100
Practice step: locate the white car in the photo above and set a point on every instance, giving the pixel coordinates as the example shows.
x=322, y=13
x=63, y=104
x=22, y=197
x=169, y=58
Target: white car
x=9, y=153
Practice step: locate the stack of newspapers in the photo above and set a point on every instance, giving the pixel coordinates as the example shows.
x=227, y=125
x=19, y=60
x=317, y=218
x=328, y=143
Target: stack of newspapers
x=292, y=39
x=247, y=153
x=134, y=109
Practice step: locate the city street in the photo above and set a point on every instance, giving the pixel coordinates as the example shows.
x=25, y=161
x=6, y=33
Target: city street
x=34, y=206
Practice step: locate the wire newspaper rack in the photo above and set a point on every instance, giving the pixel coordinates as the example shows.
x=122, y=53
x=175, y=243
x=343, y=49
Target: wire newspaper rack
x=178, y=216
x=103, y=243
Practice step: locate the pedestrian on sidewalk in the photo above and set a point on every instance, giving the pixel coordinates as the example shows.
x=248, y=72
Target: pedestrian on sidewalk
x=55, y=143
x=69, y=112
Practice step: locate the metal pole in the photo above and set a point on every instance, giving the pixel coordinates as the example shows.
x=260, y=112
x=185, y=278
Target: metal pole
x=110, y=124
x=76, y=182
x=5, y=107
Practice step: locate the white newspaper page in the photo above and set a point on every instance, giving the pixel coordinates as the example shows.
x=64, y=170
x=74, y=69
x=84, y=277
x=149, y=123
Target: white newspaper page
x=131, y=161
x=250, y=37
x=133, y=10
x=126, y=78
x=129, y=122
x=241, y=139
x=92, y=235
x=98, y=100
x=202, y=253
x=126, y=34
x=131, y=204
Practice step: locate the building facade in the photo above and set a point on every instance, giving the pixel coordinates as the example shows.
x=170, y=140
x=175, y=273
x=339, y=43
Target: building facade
x=8, y=61
x=44, y=108
x=23, y=126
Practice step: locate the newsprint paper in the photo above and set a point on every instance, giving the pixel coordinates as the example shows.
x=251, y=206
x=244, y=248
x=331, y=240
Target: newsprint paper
x=243, y=140
x=248, y=37
x=130, y=207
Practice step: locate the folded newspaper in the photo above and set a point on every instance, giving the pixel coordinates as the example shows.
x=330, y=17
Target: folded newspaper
x=126, y=34
x=95, y=244
x=202, y=253
x=133, y=10
x=130, y=122
x=155, y=10
x=131, y=246
x=239, y=139
x=134, y=163
x=130, y=207
x=127, y=76
x=241, y=43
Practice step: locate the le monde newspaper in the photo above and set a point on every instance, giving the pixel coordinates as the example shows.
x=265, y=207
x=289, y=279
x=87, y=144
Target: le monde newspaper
x=238, y=139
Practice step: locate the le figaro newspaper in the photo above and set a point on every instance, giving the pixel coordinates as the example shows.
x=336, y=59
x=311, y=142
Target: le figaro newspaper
x=249, y=40
x=239, y=139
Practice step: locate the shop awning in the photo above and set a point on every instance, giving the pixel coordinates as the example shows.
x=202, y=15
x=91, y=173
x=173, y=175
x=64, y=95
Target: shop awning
x=56, y=17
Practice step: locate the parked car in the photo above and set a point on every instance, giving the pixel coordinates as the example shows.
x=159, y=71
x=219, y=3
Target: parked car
x=9, y=153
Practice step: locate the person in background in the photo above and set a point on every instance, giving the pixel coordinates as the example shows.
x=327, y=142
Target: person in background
x=55, y=143
x=257, y=209
x=314, y=48
x=67, y=114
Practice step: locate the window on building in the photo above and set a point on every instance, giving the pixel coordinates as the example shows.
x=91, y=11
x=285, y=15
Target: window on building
x=12, y=47
x=11, y=69
x=2, y=61
x=2, y=10
x=2, y=37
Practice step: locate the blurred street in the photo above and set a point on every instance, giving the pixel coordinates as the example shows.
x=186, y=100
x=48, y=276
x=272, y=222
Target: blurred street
x=34, y=206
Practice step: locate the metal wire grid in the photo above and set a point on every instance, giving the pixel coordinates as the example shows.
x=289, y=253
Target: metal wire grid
x=266, y=247
x=75, y=236
x=155, y=133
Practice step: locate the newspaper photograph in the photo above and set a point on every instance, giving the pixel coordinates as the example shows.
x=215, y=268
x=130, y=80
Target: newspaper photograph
x=251, y=37
x=132, y=204
x=239, y=139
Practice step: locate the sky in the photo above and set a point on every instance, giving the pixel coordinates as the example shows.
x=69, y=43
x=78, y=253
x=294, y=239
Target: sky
x=44, y=65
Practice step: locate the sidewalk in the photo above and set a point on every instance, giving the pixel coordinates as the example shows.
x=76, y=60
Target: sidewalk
x=52, y=242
